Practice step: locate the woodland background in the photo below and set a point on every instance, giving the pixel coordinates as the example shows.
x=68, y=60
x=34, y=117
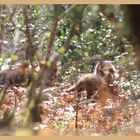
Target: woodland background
x=75, y=38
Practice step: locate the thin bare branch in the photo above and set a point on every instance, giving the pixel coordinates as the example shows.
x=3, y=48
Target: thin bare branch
x=52, y=38
x=30, y=50
x=67, y=11
x=53, y=31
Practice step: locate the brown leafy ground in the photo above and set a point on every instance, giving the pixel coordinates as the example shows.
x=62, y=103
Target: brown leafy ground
x=119, y=116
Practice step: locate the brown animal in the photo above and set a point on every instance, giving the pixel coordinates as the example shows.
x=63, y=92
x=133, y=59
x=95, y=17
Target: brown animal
x=98, y=81
x=23, y=74
x=17, y=76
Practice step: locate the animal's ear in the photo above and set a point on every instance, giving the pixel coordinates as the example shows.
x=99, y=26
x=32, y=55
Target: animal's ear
x=98, y=67
x=100, y=64
x=101, y=73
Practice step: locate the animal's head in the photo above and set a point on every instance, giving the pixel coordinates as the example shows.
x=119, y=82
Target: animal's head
x=107, y=70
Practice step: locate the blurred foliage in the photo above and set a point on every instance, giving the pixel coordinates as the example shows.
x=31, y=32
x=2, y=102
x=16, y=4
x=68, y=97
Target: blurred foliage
x=94, y=34
x=100, y=34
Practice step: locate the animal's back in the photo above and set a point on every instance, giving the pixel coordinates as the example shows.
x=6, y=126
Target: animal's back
x=87, y=82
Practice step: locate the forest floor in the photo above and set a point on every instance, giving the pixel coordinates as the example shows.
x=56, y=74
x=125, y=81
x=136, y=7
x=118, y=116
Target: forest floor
x=59, y=111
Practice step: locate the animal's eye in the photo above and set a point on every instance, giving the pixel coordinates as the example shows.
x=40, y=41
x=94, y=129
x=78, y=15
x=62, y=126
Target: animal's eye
x=112, y=71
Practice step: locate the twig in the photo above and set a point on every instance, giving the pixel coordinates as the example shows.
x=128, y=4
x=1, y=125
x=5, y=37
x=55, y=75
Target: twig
x=30, y=50
x=77, y=109
x=67, y=11
x=53, y=31
x=52, y=38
